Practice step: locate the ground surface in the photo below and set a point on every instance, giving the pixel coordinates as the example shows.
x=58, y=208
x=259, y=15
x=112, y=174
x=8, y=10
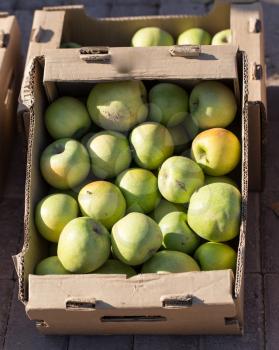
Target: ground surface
x=262, y=260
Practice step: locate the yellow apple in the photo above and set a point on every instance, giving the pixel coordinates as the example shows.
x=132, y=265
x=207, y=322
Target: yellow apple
x=217, y=151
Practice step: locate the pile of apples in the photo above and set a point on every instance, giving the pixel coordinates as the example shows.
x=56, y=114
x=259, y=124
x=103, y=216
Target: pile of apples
x=155, y=36
x=138, y=180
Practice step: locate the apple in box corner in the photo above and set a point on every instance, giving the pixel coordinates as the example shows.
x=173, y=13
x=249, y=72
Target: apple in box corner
x=215, y=256
x=212, y=105
x=217, y=151
x=222, y=38
x=214, y=212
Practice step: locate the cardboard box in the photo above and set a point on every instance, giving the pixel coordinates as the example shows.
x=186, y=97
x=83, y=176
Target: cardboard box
x=54, y=25
x=184, y=303
x=10, y=74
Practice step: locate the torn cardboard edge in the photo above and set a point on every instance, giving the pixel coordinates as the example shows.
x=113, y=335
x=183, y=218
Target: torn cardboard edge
x=233, y=322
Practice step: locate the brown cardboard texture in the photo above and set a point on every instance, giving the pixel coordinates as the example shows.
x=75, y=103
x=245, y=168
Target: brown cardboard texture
x=54, y=25
x=184, y=303
x=10, y=73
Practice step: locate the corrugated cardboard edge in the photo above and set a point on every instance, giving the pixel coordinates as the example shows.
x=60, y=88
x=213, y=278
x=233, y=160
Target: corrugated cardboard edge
x=28, y=100
x=244, y=183
x=63, y=8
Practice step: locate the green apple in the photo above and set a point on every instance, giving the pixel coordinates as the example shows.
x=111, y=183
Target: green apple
x=217, y=151
x=113, y=266
x=222, y=37
x=67, y=117
x=151, y=36
x=216, y=256
x=110, y=153
x=50, y=266
x=165, y=207
x=152, y=144
x=69, y=45
x=102, y=201
x=118, y=105
x=213, y=179
x=168, y=261
x=177, y=235
x=135, y=238
x=168, y=104
x=194, y=36
x=65, y=163
x=52, y=214
x=212, y=105
x=179, y=177
x=140, y=189
x=214, y=212
x=84, y=245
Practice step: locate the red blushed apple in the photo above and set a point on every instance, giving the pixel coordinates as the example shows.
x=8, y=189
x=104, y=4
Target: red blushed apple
x=217, y=151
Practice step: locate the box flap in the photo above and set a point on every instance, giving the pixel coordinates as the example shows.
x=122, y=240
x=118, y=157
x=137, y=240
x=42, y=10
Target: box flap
x=247, y=22
x=46, y=32
x=125, y=63
x=182, y=303
x=140, y=291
